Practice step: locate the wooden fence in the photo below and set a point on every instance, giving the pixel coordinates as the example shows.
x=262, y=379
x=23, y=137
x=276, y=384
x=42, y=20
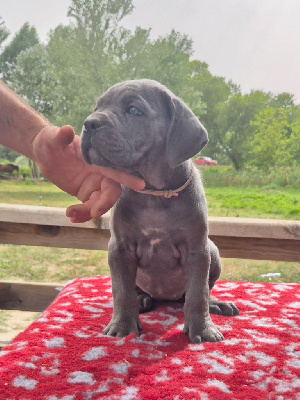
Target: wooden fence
x=257, y=239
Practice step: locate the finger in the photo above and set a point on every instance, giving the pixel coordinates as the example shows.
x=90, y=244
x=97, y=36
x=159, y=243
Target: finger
x=99, y=203
x=103, y=201
x=65, y=136
x=131, y=181
x=91, y=184
x=79, y=213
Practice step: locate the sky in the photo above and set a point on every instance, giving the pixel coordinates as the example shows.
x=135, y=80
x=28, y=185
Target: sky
x=254, y=43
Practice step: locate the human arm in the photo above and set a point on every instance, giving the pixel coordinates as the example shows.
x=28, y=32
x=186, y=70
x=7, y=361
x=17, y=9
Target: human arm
x=19, y=123
x=57, y=152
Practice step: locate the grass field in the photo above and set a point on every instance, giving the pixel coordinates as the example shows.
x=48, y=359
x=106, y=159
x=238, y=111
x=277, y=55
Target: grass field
x=255, y=202
x=23, y=263
x=275, y=178
x=38, y=193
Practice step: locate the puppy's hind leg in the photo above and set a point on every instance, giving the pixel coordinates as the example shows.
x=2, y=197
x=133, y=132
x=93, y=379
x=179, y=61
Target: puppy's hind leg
x=146, y=302
x=215, y=306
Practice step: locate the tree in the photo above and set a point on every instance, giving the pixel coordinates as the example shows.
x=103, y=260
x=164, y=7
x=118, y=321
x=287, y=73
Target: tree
x=24, y=39
x=98, y=20
x=97, y=32
x=283, y=100
x=35, y=80
x=133, y=54
x=63, y=79
x=4, y=33
x=295, y=141
x=168, y=61
x=85, y=55
x=7, y=154
x=234, y=131
x=215, y=91
x=276, y=141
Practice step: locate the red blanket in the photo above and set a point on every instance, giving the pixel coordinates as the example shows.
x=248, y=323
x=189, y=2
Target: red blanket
x=64, y=356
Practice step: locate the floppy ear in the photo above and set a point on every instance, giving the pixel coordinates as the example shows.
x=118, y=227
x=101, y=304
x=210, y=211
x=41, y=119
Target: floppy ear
x=186, y=136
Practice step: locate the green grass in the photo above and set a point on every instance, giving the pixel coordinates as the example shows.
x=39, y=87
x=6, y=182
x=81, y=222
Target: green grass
x=251, y=271
x=45, y=264
x=39, y=193
x=253, y=202
x=275, y=178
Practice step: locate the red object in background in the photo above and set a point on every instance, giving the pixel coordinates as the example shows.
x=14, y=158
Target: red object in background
x=206, y=161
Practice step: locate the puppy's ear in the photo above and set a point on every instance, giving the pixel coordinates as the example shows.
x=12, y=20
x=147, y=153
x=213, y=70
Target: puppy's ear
x=186, y=136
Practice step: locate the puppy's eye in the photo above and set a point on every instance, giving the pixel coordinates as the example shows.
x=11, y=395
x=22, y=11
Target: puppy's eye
x=134, y=111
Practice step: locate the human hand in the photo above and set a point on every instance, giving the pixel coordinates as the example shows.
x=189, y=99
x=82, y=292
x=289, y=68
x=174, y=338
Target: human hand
x=57, y=152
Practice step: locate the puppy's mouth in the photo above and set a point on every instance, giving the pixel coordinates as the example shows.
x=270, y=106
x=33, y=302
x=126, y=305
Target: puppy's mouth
x=91, y=154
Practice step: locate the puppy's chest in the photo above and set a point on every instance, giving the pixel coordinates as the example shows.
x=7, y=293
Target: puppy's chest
x=156, y=238
x=156, y=245
x=159, y=270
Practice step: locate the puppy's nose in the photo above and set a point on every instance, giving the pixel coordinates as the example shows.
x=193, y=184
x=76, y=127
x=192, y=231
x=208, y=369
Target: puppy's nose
x=92, y=124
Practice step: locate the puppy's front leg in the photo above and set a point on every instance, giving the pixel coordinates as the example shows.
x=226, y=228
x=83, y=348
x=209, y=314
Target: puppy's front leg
x=198, y=324
x=125, y=319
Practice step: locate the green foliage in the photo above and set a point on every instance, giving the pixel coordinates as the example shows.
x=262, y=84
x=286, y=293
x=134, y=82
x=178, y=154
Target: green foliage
x=83, y=56
x=234, y=128
x=34, y=78
x=24, y=172
x=7, y=154
x=24, y=39
x=97, y=20
x=276, y=141
x=20, y=161
x=215, y=91
x=169, y=60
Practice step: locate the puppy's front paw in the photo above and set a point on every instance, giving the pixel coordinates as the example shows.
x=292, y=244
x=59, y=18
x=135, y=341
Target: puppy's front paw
x=122, y=327
x=206, y=332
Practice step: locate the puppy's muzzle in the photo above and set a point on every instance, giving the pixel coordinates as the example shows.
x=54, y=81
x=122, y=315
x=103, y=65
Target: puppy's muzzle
x=90, y=128
x=92, y=124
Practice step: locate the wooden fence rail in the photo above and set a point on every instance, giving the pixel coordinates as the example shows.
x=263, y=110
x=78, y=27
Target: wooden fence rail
x=258, y=239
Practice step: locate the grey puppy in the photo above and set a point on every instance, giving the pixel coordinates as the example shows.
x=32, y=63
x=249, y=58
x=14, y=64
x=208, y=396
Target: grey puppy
x=159, y=246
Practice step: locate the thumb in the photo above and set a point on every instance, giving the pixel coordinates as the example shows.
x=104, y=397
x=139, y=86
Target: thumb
x=64, y=136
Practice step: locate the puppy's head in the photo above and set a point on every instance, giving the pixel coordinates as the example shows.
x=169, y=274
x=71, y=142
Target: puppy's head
x=134, y=120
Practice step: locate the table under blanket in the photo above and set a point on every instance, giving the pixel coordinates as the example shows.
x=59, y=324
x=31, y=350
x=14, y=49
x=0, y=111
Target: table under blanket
x=63, y=355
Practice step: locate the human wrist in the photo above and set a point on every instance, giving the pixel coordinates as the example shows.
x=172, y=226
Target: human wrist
x=19, y=123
